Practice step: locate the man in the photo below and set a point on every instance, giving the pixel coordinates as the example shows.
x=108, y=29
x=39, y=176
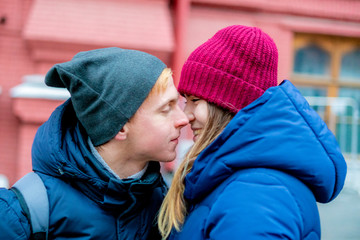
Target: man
x=98, y=154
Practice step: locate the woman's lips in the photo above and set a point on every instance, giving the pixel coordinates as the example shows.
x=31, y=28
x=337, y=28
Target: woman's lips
x=196, y=133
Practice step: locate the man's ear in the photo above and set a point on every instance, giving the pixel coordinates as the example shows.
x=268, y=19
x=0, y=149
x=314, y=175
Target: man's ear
x=122, y=134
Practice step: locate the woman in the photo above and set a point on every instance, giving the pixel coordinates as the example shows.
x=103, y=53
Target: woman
x=261, y=158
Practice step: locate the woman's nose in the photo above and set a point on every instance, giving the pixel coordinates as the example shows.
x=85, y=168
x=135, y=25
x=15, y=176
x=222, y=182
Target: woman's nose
x=189, y=114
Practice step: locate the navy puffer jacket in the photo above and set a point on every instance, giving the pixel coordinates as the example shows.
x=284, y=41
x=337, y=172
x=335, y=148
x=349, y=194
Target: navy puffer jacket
x=86, y=202
x=261, y=178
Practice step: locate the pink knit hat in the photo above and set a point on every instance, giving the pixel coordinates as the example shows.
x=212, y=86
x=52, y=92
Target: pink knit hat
x=231, y=69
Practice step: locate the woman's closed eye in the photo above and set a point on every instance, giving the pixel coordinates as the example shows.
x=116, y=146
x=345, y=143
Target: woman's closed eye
x=191, y=99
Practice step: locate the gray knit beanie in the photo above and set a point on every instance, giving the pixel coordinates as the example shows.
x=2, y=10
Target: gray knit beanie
x=107, y=86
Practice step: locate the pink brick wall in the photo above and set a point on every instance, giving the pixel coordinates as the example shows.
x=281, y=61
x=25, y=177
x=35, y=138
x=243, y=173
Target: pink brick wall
x=14, y=63
x=24, y=109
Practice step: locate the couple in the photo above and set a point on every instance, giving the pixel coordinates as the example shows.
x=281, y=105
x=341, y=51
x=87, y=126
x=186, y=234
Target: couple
x=261, y=156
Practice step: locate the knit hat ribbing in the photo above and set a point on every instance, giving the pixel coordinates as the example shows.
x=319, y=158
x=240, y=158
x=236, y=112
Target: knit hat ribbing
x=107, y=86
x=231, y=69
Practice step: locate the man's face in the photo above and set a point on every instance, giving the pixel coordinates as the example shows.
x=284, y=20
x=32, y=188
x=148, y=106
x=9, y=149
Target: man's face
x=155, y=128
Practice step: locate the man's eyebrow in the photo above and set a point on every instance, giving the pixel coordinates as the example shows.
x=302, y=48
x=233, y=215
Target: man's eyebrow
x=170, y=100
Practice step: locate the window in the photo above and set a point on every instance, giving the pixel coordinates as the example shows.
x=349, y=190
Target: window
x=350, y=66
x=312, y=60
x=326, y=70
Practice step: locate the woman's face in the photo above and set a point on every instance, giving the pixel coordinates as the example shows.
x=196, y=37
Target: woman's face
x=196, y=110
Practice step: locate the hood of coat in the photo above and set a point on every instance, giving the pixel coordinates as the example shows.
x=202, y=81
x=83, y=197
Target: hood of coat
x=278, y=131
x=60, y=150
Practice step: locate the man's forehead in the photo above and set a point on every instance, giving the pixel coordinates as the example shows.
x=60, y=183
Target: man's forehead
x=171, y=94
x=162, y=98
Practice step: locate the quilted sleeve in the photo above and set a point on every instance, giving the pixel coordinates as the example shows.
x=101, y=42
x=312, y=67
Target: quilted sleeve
x=13, y=225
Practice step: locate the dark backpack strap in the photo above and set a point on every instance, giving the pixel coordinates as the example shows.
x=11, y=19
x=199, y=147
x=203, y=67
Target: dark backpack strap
x=33, y=198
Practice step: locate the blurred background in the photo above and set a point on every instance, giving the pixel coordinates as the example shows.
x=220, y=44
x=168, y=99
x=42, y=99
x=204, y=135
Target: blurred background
x=319, y=51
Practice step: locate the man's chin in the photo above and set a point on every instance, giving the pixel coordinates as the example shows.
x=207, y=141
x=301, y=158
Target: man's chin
x=170, y=158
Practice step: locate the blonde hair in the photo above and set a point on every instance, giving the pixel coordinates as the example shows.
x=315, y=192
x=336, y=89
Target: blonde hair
x=173, y=209
x=162, y=82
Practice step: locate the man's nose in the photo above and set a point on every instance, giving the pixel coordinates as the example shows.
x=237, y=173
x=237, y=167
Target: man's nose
x=181, y=119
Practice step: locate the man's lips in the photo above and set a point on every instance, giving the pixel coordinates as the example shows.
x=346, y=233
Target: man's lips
x=175, y=139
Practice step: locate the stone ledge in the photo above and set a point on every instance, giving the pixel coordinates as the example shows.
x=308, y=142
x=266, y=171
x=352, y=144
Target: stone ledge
x=33, y=86
x=33, y=101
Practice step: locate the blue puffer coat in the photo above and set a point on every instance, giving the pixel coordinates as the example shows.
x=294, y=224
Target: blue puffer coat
x=261, y=178
x=85, y=201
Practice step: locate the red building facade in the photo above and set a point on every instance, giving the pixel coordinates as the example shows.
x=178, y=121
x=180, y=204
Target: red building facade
x=35, y=34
